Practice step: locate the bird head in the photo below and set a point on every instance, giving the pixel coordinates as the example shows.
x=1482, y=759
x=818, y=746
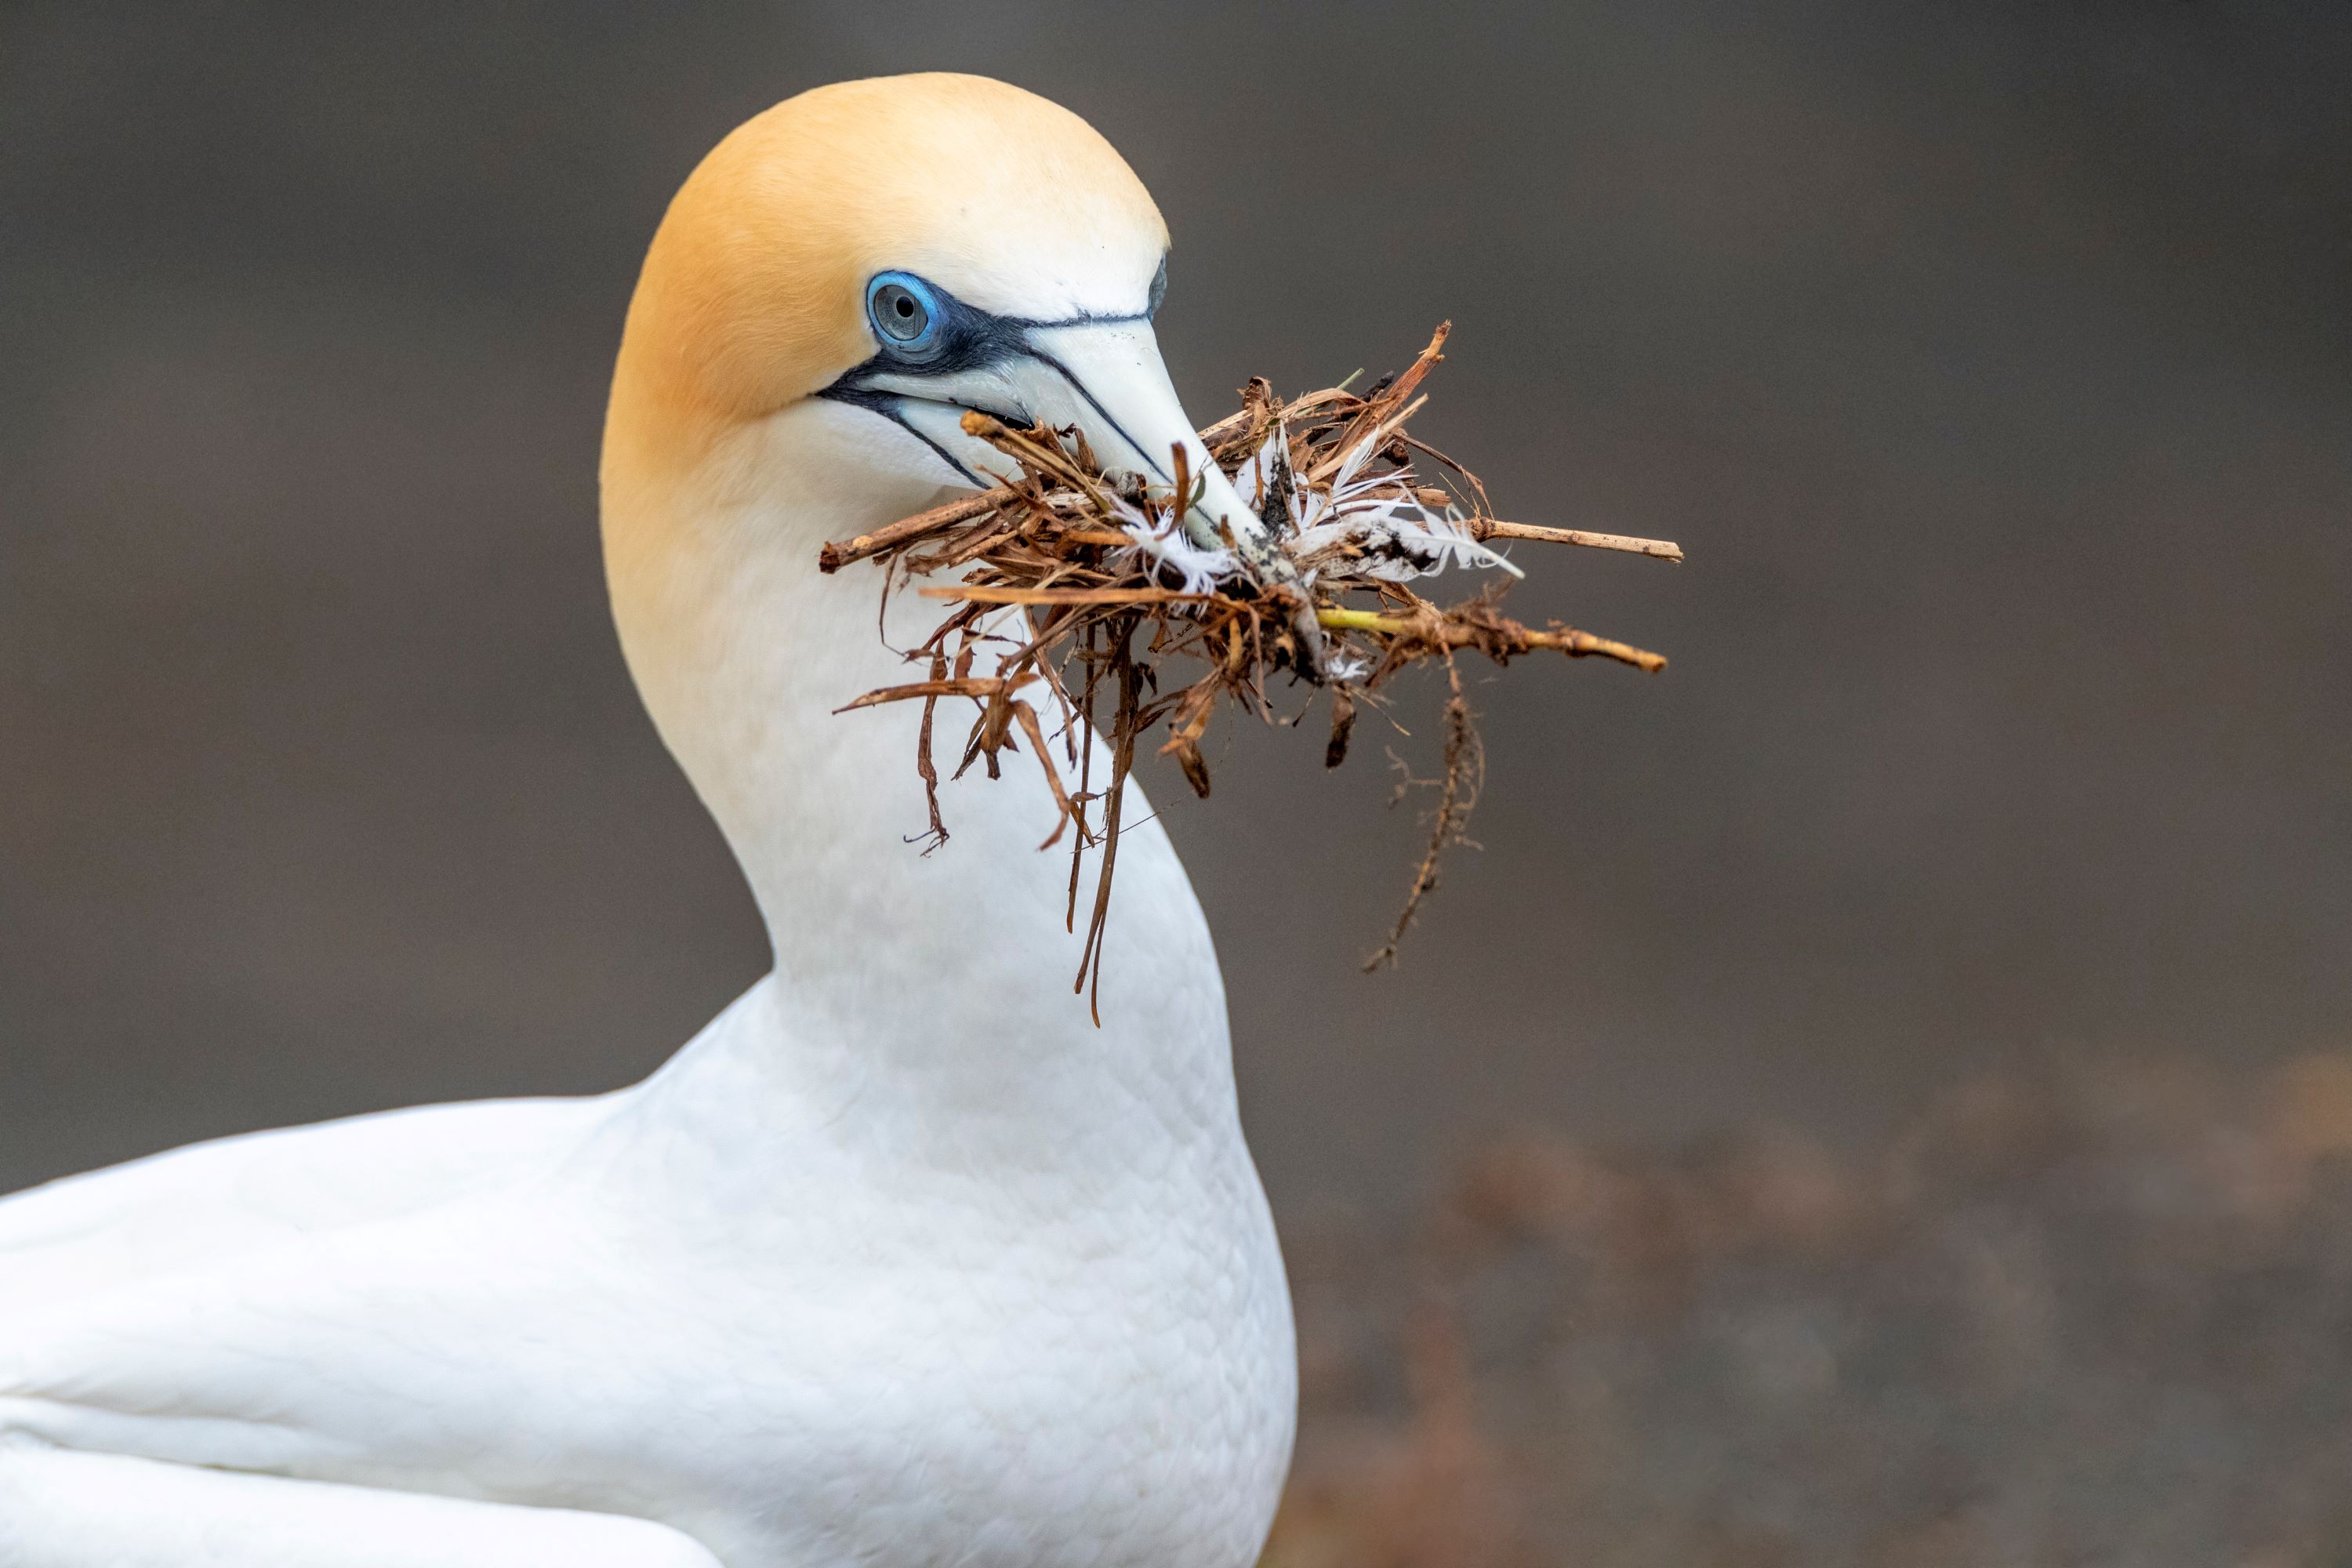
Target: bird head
x=834, y=288
x=905, y=249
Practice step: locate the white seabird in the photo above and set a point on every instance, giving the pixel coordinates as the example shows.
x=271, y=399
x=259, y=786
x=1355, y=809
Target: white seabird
x=901, y=1260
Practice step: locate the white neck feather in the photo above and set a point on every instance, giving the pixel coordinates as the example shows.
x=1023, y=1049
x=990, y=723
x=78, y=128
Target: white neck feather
x=943, y=980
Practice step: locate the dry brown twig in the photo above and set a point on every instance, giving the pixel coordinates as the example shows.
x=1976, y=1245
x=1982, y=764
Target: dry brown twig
x=1088, y=564
x=1458, y=786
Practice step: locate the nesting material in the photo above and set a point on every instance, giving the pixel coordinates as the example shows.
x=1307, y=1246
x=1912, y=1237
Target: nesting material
x=1069, y=593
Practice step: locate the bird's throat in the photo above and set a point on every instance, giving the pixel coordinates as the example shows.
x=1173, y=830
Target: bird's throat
x=954, y=964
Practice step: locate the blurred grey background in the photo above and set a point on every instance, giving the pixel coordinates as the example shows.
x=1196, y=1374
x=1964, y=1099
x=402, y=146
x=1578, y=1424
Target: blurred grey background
x=1992, y=361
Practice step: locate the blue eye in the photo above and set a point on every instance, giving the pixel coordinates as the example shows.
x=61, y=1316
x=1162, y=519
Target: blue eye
x=904, y=312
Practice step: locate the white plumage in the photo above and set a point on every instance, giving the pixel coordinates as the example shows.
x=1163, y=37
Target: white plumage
x=901, y=1260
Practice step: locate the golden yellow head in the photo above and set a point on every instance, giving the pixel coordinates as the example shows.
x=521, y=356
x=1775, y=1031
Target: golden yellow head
x=849, y=274
x=754, y=292
x=837, y=285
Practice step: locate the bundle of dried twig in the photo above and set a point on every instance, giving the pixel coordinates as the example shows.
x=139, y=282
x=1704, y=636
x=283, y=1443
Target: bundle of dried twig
x=1084, y=585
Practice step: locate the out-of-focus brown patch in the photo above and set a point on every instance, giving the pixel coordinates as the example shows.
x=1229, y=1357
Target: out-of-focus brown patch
x=2103, y=1315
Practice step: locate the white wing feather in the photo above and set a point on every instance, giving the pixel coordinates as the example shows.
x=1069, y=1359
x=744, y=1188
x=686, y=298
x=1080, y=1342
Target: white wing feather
x=199, y=1204
x=63, y=1510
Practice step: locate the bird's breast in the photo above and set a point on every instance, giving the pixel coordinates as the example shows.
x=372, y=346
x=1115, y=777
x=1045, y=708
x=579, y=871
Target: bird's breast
x=1008, y=1379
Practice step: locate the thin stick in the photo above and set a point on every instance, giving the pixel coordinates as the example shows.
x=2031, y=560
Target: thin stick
x=1298, y=411
x=1086, y=720
x=925, y=768
x=1377, y=409
x=963, y=686
x=981, y=594
x=1023, y=448
x=1485, y=528
x=833, y=557
x=1122, y=758
x=1465, y=767
x=1512, y=638
x=1036, y=733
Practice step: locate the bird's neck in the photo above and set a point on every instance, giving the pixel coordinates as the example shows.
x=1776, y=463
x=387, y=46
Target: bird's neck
x=946, y=975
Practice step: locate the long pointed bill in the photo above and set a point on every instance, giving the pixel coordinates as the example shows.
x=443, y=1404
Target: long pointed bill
x=1108, y=379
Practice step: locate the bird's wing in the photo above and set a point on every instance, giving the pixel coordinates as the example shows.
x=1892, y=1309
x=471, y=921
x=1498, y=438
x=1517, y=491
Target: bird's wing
x=192, y=1208
x=65, y=1509
x=510, y=1343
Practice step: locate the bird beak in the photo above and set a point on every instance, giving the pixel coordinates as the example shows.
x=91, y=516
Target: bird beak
x=1108, y=380
x=1105, y=379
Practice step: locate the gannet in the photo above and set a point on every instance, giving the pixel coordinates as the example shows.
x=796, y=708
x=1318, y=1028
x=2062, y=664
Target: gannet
x=901, y=1260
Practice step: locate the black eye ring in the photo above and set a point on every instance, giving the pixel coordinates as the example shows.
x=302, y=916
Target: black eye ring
x=904, y=312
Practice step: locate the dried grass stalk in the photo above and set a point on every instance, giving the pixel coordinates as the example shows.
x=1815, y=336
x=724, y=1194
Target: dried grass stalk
x=1108, y=599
